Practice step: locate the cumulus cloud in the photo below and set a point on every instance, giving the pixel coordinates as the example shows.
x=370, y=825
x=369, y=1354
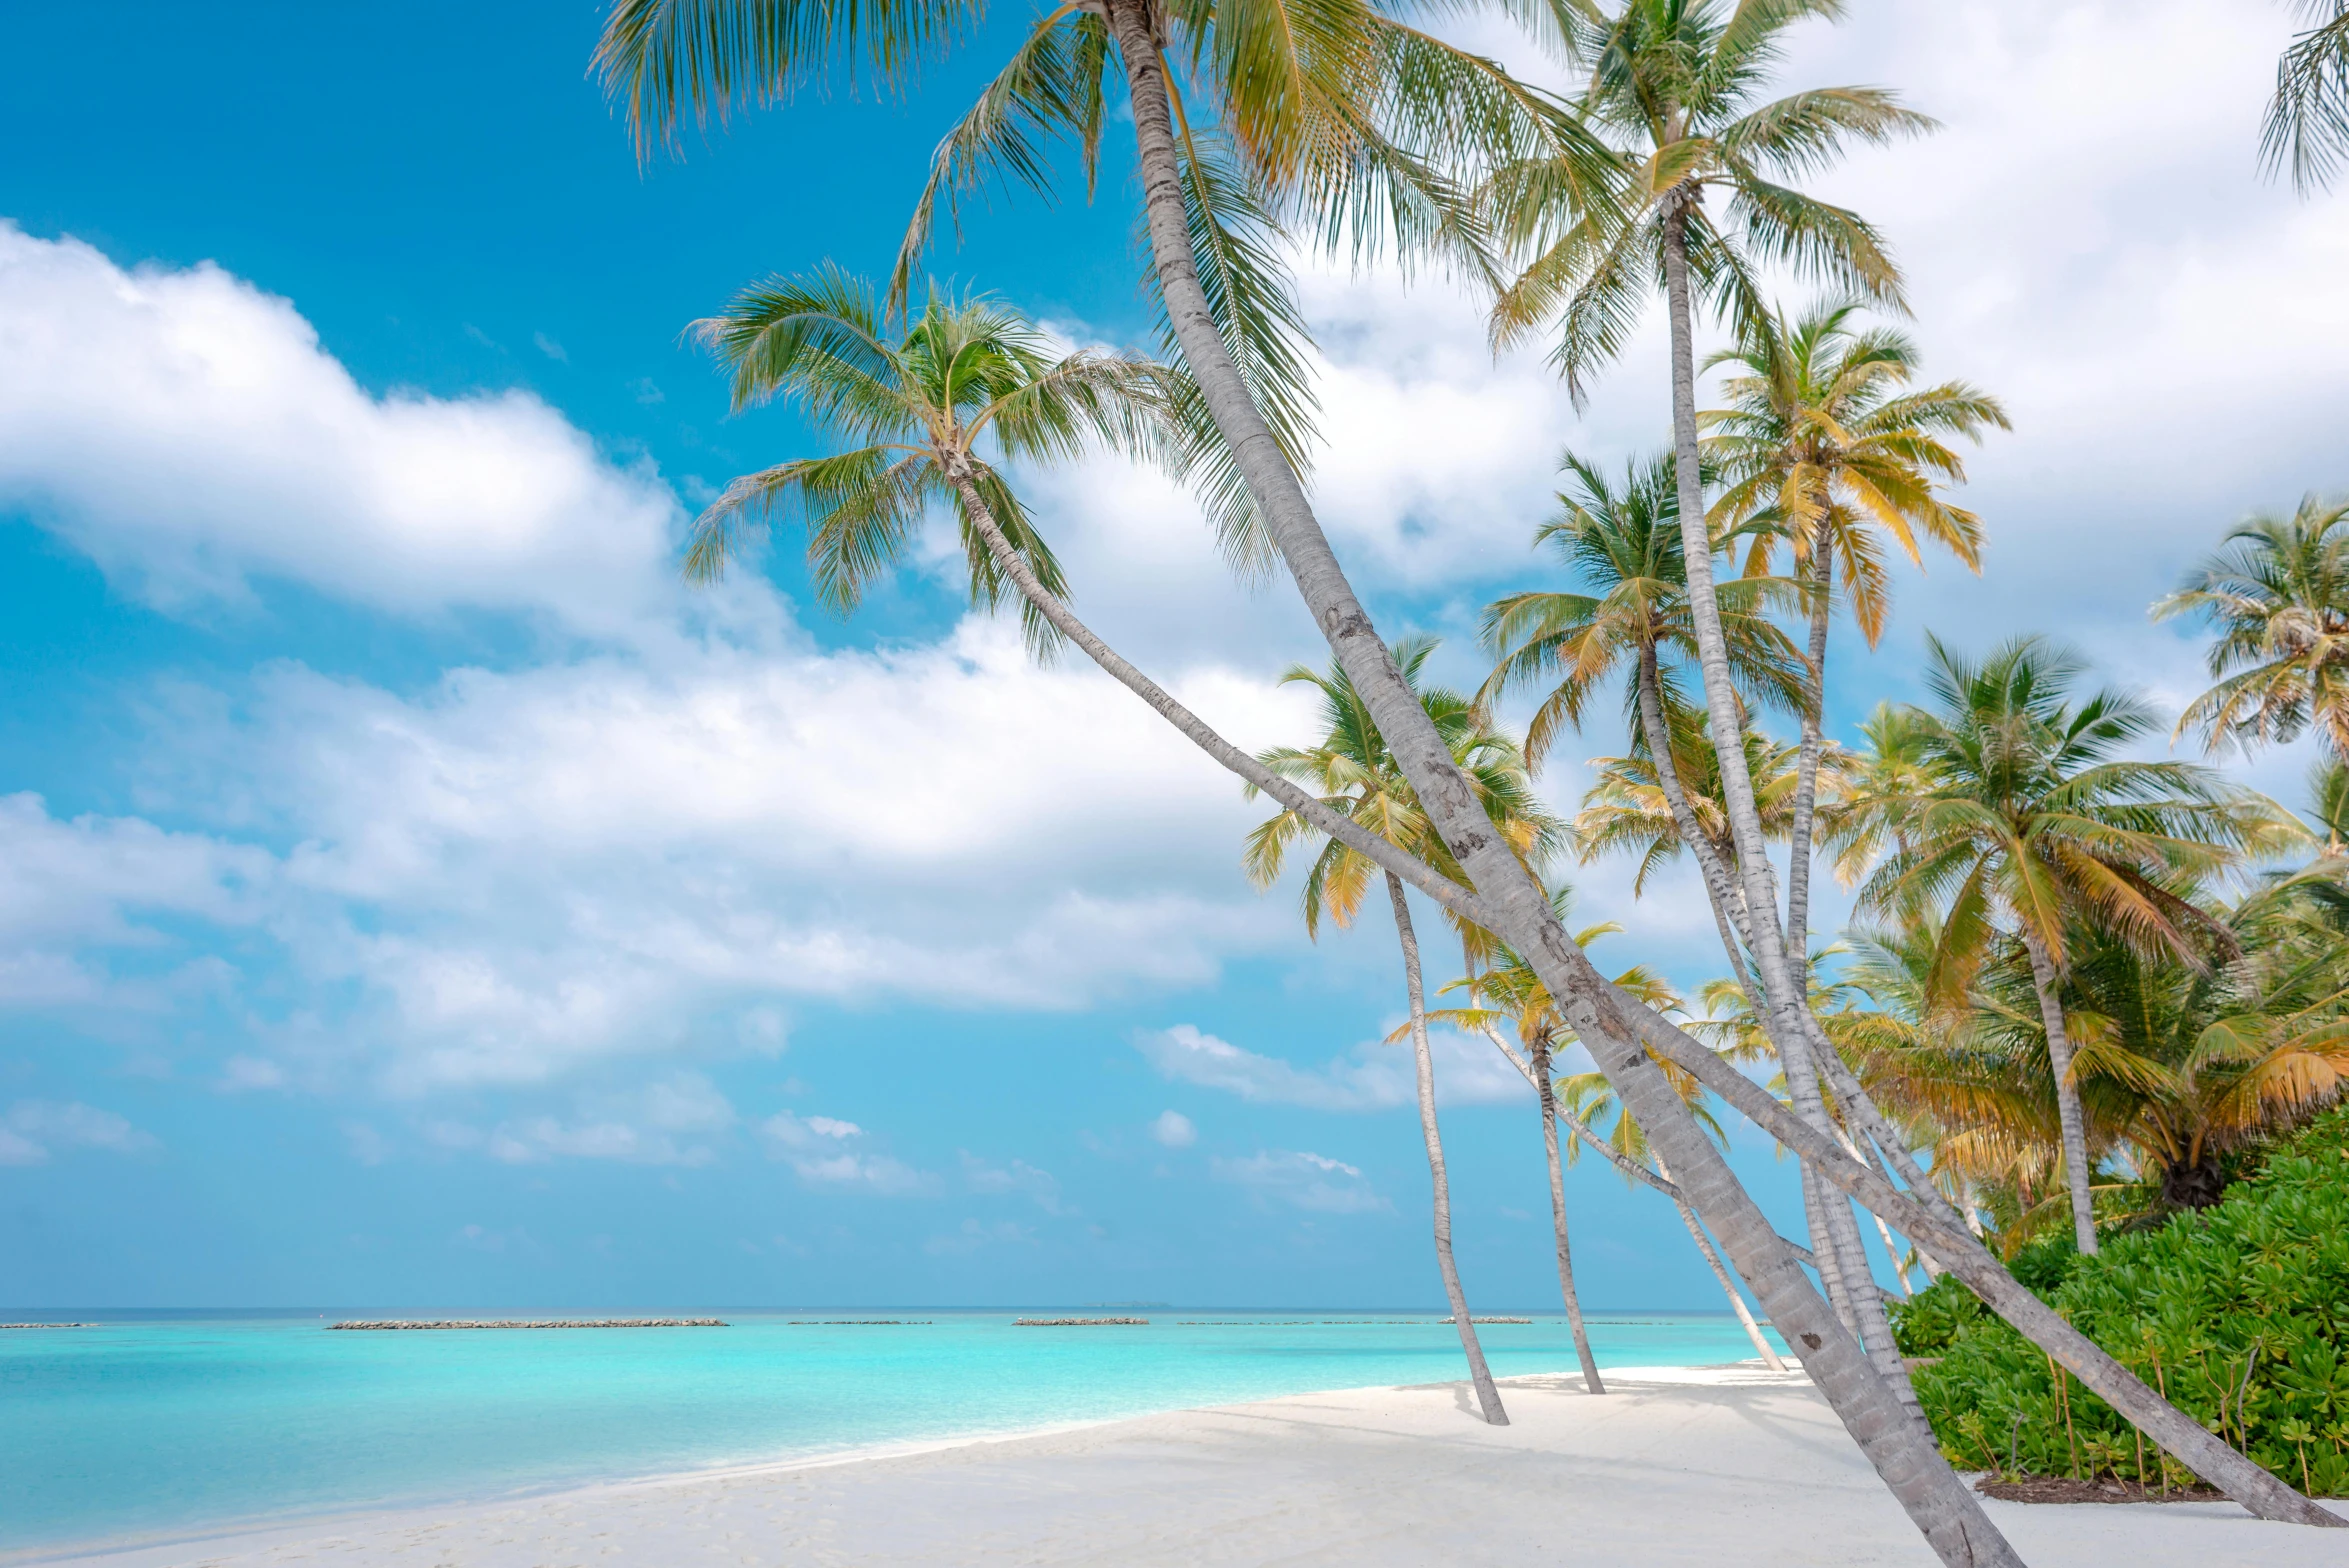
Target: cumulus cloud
x=31, y=1131
x=72, y=888
x=1373, y=1077
x=818, y=1150
x=189, y=432
x=1302, y=1180
x=1174, y=1130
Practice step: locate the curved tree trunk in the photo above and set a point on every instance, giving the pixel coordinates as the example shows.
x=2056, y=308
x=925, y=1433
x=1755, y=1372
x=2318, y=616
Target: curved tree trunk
x=2067, y=1095
x=1783, y=973
x=1540, y=1052
x=1488, y=1398
x=1618, y=1022
x=1729, y=1288
x=1964, y=1255
x=1896, y=1444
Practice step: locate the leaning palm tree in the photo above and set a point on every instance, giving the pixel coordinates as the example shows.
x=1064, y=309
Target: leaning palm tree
x=2307, y=128
x=2277, y=594
x=1352, y=772
x=1512, y=993
x=669, y=57
x=1675, y=86
x=2032, y=823
x=1823, y=446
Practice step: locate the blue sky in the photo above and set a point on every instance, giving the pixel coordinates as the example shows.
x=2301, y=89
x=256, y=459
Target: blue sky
x=411, y=895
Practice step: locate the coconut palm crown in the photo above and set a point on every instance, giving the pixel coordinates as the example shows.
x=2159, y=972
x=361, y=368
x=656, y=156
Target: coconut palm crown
x=1353, y=772
x=913, y=413
x=2277, y=594
x=1620, y=543
x=1674, y=88
x=1822, y=444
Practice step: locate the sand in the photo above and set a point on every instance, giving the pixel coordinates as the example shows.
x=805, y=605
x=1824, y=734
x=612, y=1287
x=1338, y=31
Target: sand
x=1705, y=1468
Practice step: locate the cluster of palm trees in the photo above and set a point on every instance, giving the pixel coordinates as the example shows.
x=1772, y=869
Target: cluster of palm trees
x=1262, y=126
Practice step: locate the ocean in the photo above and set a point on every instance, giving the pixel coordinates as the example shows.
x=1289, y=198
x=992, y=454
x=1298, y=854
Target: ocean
x=161, y=1425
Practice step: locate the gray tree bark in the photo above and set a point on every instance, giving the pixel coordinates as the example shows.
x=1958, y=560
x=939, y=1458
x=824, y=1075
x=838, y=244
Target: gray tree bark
x=1488, y=1398
x=1963, y=1254
x=1540, y=1052
x=1784, y=973
x=1896, y=1444
x=1729, y=1288
x=2073, y=1122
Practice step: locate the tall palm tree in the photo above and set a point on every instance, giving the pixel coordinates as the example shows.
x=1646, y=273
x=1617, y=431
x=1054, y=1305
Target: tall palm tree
x=2032, y=823
x=669, y=57
x=1676, y=87
x=2307, y=129
x=2277, y=594
x=1823, y=446
x=1352, y=771
x=1622, y=543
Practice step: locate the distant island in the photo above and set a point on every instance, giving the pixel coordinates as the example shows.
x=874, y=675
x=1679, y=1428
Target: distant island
x=389, y=1323
x=1079, y=1322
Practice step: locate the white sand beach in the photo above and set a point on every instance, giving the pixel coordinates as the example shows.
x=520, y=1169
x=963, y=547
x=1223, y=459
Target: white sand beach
x=1702, y=1468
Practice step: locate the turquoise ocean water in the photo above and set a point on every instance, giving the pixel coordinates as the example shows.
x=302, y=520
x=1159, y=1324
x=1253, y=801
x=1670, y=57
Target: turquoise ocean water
x=164, y=1425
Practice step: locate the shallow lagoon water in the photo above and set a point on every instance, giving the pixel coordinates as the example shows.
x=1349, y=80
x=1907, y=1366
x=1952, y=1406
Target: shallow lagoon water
x=162, y=1425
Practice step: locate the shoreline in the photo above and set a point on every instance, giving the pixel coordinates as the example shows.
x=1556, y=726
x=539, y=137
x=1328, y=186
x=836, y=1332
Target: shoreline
x=1676, y=1467
x=306, y=1523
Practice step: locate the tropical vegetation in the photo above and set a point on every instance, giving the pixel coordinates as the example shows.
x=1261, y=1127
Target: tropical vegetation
x=2089, y=986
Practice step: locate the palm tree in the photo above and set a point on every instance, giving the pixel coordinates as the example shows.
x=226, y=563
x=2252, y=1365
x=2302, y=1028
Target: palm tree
x=2277, y=594
x=666, y=57
x=1354, y=774
x=1822, y=445
x=2307, y=126
x=1515, y=993
x=1622, y=543
x=1587, y=1098
x=1675, y=86
x=917, y=406
x=2031, y=824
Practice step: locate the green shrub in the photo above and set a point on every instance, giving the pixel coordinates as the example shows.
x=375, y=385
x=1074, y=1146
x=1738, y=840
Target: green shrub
x=2239, y=1313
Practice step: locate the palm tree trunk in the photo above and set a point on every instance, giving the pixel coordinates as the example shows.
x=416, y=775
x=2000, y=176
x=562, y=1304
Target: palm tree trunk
x=1966, y=1257
x=1488, y=1398
x=1620, y=1033
x=1806, y=766
x=1903, y=1453
x=1729, y=1288
x=1783, y=972
x=1633, y=1171
x=2067, y=1094
x=1540, y=1052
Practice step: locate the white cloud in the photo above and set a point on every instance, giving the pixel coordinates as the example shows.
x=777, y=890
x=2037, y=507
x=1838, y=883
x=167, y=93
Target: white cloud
x=1302, y=1180
x=31, y=1131
x=524, y=871
x=1174, y=1130
x=68, y=888
x=815, y=1149
x=1374, y=1077
x=188, y=431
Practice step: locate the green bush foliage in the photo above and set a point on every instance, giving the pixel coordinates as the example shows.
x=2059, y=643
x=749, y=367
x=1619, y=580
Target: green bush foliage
x=2239, y=1313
